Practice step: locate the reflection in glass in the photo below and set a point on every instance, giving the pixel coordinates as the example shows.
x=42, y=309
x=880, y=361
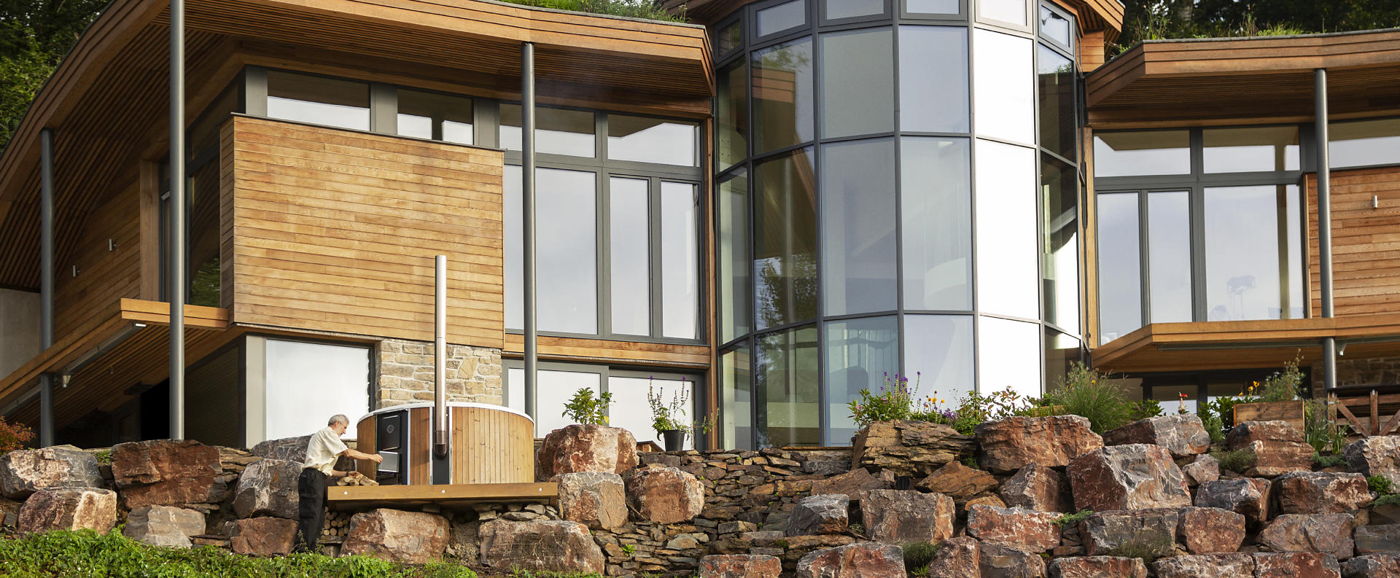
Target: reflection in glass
x=933, y=78
x=435, y=116
x=1247, y=238
x=1061, y=351
x=1238, y=150
x=1169, y=256
x=782, y=17
x=1127, y=154
x=631, y=411
x=557, y=131
x=566, y=251
x=857, y=82
x=1002, y=73
x=651, y=140
x=1056, y=27
x=936, y=209
x=782, y=95
x=736, y=399
x=938, y=353
x=729, y=38
x=300, y=375
x=1060, y=245
x=1120, y=278
x=628, y=241
x=552, y=390
x=1008, y=11
x=859, y=354
x=732, y=115
x=1007, y=278
x=787, y=373
x=1007, y=355
x=318, y=100
x=1370, y=142
x=680, y=267
x=931, y=6
x=785, y=240
x=733, y=207
x=205, y=280
x=837, y=9
x=858, y=227
x=1058, y=128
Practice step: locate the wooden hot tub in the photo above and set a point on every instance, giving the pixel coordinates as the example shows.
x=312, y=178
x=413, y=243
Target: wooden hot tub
x=490, y=444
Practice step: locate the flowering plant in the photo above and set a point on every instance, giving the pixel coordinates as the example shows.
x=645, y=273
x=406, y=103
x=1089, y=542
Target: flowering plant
x=894, y=401
x=13, y=436
x=664, y=416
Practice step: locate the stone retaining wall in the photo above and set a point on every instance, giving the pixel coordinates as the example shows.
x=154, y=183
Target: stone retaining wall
x=405, y=373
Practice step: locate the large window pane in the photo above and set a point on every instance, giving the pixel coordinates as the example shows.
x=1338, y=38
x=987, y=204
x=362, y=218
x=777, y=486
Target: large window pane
x=858, y=227
x=629, y=241
x=931, y=6
x=651, y=140
x=1247, y=249
x=1056, y=27
x=202, y=252
x=631, y=411
x=1008, y=11
x=435, y=116
x=933, y=78
x=1003, y=82
x=857, y=82
x=938, y=357
x=300, y=376
x=566, y=250
x=1169, y=256
x=1237, y=150
x=557, y=131
x=781, y=17
x=1060, y=245
x=936, y=210
x=782, y=95
x=732, y=114
x=680, y=261
x=785, y=243
x=1120, y=277
x=729, y=38
x=1058, y=129
x=838, y=9
x=318, y=100
x=1061, y=351
x=736, y=398
x=733, y=207
x=859, y=354
x=1007, y=279
x=1171, y=397
x=553, y=389
x=213, y=387
x=1358, y=144
x=1008, y=356
x=1128, y=154
x=787, y=374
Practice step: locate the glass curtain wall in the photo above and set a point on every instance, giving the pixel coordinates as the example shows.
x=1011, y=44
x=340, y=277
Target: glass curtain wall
x=897, y=194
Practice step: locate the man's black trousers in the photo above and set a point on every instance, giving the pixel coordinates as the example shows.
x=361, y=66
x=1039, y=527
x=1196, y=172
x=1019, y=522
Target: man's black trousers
x=311, y=509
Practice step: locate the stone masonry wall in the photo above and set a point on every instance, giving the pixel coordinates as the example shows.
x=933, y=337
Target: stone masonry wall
x=406, y=373
x=1366, y=371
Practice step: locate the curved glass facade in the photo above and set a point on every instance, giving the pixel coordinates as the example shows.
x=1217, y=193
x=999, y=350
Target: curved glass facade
x=897, y=192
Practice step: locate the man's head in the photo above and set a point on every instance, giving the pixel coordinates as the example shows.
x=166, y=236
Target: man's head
x=339, y=423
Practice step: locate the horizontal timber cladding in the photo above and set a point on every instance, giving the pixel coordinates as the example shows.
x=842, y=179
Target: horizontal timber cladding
x=1365, y=242
x=334, y=230
x=608, y=351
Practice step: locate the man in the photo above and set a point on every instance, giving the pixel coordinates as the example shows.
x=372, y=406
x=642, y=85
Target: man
x=322, y=452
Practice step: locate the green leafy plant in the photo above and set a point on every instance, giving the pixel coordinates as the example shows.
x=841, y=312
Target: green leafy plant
x=1328, y=461
x=1387, y=500
x=586, y=409
x=1323, y=434
x=104, y=457
x=971, y=462
x=668, y=416
x=894, y=401
x=1071, y=519
x=13, y=436
x=857, y=529
x=628, y=549
x=1238, y=461
x=1090, y=393
x=624, y=8
x=1380, y=485
x=918, y=555
x=1282, y=385
x=1144, y=409
x=1211, y=420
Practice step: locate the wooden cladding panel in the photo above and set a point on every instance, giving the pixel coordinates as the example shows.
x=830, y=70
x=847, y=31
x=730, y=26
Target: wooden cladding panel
x=491, y=446
x=1365, y=242
x=107, y=261
x=336, y=231
x=606, y=351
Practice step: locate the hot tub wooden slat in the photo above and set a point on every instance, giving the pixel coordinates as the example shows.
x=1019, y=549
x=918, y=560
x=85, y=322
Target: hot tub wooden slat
x=489, y=445
x=447, y=494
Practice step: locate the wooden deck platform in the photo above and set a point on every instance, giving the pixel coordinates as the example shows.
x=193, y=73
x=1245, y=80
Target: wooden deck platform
x=446, y=495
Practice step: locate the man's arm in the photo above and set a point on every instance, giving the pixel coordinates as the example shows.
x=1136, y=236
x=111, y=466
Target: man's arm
x=359, y=455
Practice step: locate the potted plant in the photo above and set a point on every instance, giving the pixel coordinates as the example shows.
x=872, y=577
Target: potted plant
x=1275, y=398
x=669, y=419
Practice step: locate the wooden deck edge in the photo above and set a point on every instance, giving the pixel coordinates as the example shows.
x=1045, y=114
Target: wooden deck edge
x=436, y=494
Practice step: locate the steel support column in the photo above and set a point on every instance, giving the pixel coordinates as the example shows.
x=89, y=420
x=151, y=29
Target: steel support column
x=177, y=219
x=527, y=181
x=1324, y=222
x=46, y=429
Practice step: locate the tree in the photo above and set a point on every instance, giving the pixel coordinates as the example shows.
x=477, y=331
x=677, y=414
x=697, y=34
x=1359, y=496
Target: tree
x=34, y=37
x=1160, y=19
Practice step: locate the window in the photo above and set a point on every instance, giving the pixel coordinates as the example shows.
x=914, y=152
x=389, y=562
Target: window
x=782, y=96
x=736, y=398
x=631, y=409
x=435, y=116
x=938, y=353
x=650, y=140
x=728, y=38
x=857, y=82
x=1120, y=289
x=1003, y=81
x=732, y=115
x=734, y=296
x=553, y=389
x=936, y=208
x=629, y=212
x=859, y=354
x=1057, y=27
x=1059, y=228
x=932, y=6
x=787, y=375
x=1122, y=154
x=318, y=100
x=556, y=384
x=1249, y=233
x=785, y=16
x=1238, y=150
x=859, y=260
x=302, y=376
x=680, y=261
x=933, y=94
x=566, y=250
x=1169, y=256
x=1007, y=11
x=557, y=131
x=785, y=243
x=1007, y=271
x=1058, y=127
x=839, y=9
x=1003, y=347
x=1370, y=142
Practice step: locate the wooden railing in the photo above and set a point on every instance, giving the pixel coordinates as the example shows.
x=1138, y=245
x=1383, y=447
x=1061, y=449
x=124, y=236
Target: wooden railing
x=1373, y=425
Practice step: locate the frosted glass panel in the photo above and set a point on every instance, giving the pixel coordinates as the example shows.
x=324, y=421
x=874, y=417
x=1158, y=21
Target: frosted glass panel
x=554, y=389
x=1004, y=86
x=307, y=383
x=629, y=257
x=1007, y=267
x=631, y=412
x=1009, y=356
x=938, y=356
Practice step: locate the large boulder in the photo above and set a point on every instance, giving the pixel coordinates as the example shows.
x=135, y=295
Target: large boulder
x=1320, y=493
x=664, y=495
x=1131, y=532
x=1245, y=434
x=907, y=447
x=163, y=525
x=823, y=514
x=1296, y=565
x=1007, y=561
x=1372, y=566
x=1036, y=487
x=268, y=488
x=958, y=482
x=289, y=449
x=1382, y=539
x=899, y=516
x=266, y=536
x=1031, y=530
x=854, y=484
x=595, y=499
x=586, y=448
x=69, y=509
x=1013, y=443
x=540, y=546
x=1278, y=458
x=1326, y=533
x=397, y=536
x=1211, y=530
x=1205, y=566
x=860, y=560
x=1182, y=434
x=1127, y=477
x=1205, y=468
x=741, y=566
x=1245, y=496
x=23, y=472
x=956, y=558
x=167, y=473
x=1097, y=567
x=1375, y=456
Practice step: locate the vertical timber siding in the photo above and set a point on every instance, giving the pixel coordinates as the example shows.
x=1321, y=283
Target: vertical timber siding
x=335, y=230
x=1365, y=242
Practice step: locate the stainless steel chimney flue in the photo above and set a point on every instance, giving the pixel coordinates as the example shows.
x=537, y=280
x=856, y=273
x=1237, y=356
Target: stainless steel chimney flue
x=440, y=359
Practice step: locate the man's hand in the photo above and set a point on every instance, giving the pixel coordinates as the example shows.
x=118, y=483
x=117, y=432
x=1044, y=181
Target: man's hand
x=339, y=474
x=378, y=459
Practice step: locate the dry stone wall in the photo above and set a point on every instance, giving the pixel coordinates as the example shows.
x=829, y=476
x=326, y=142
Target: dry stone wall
x=405, y=373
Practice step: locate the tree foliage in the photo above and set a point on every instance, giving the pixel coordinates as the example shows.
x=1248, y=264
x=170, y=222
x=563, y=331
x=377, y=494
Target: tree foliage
x=1161, y=19
x=34, y=37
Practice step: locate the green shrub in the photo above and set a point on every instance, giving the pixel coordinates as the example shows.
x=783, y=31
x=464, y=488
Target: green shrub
x=1328, y=461
x=1211, y=420
x=1144, y=409
x=1387, y=500
x=894, y=401
x=1282, y=385
x=1324, y=435
x=1089, y=393
x=918, y=555
x=1238, y=461
x=1075, y=518
x=1380, y=485
x=585, y=409
x=13, y=436
x=646, y=10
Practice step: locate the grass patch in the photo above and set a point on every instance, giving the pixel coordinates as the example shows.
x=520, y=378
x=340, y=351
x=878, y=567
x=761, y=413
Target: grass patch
x=918, y=555
x=1075, y=518
x=1328, y=461
x=1238, y=461
x=1380, y=485
x=630, y=9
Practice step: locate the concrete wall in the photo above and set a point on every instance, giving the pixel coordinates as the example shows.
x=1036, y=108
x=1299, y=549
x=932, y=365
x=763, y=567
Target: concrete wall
x=19, y=329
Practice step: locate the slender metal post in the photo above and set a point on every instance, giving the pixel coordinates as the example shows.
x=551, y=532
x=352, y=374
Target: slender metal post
x=527, y=181
x=177, y=219
x=46, y=429
x=1324, y=223
x=440, y=358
